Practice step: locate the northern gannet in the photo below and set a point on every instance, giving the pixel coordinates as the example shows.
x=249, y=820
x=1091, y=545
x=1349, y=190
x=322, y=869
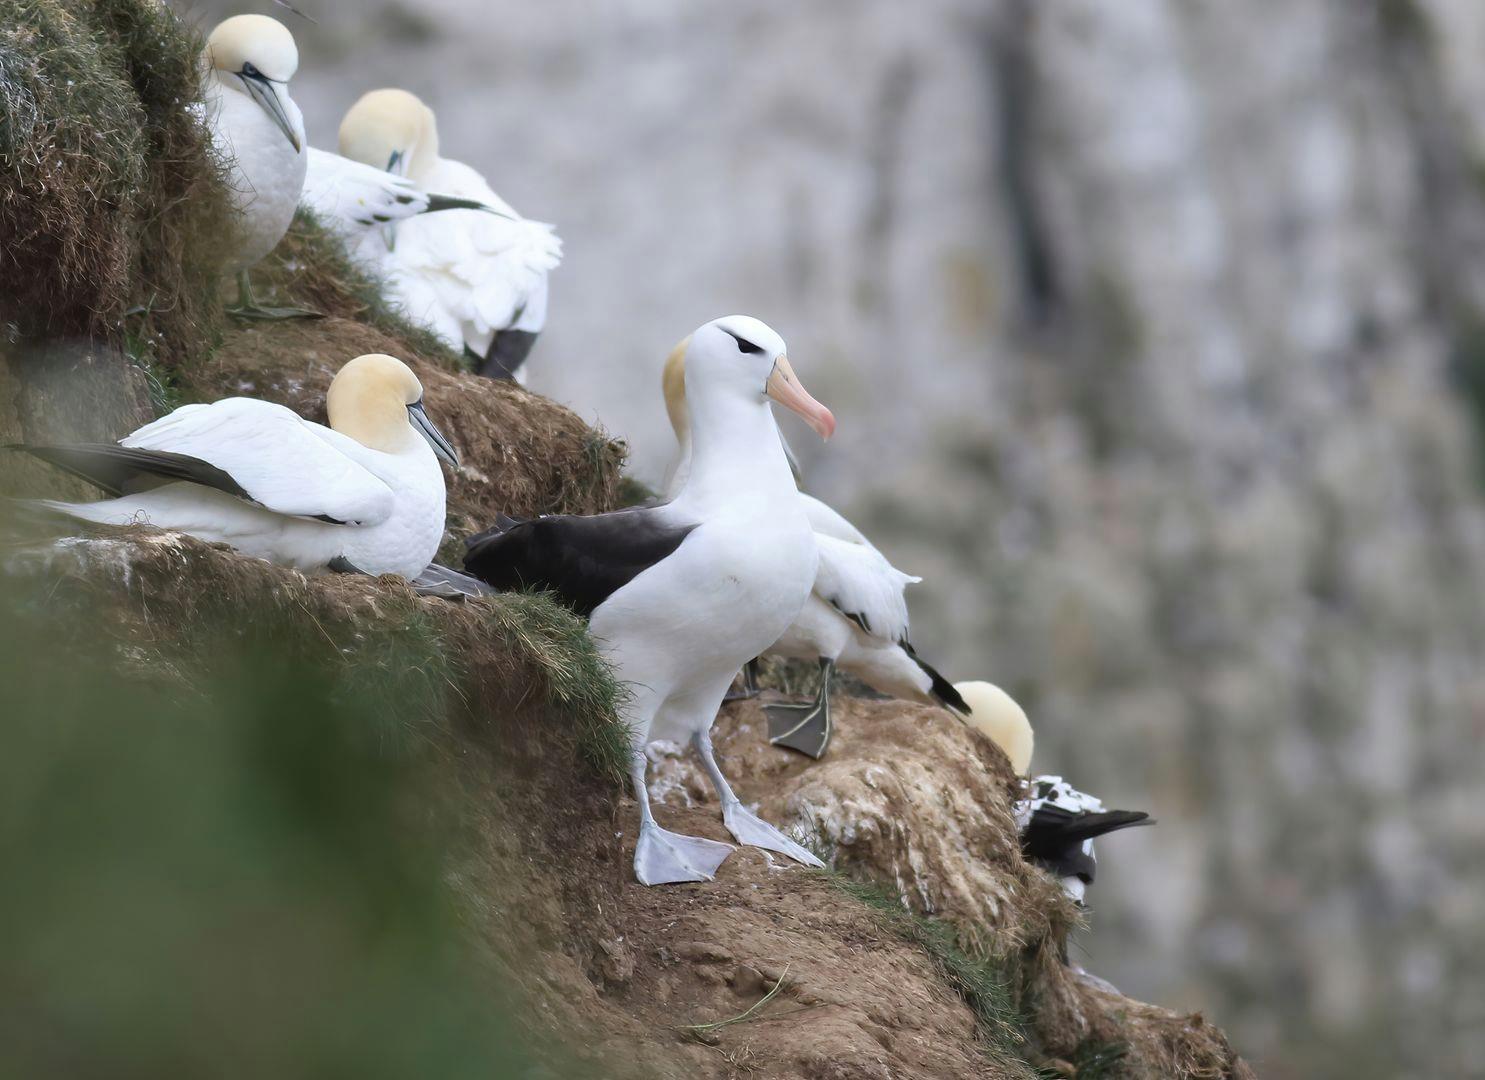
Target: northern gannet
x=1058, y=823
x=364, y=494
x=478, y=280
x=855, y=618
x=259, y=131
x=680, y=596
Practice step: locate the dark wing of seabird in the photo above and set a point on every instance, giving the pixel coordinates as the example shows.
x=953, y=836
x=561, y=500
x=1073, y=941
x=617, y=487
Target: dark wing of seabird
x=584, y=560
x=126, y=470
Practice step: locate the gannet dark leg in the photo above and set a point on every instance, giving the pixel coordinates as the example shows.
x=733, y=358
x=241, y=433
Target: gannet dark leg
x=662, y=857
x=805, y=728
x=741, y=822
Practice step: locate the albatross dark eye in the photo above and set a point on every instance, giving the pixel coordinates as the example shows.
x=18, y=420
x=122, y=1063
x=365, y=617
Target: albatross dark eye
x=743, y=345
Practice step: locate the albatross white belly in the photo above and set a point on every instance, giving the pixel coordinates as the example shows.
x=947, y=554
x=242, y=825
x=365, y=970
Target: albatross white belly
x=728, y=591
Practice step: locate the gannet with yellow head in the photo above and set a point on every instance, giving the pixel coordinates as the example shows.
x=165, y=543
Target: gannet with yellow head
x=680, y=596
x=855, y=618
x=259, y=131
x=1058, y=823
x=477, y=280
x=364, y=494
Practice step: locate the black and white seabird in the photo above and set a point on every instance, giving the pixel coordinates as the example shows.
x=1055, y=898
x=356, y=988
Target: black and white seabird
x=680, y=596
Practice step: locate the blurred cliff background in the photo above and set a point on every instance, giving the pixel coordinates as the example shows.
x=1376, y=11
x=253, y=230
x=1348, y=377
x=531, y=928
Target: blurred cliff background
x=1156, y=332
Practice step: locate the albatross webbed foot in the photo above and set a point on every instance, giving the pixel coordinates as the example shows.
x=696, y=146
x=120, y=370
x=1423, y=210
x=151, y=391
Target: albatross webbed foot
x=752, y=830
x=805, y=728
x=662, y=857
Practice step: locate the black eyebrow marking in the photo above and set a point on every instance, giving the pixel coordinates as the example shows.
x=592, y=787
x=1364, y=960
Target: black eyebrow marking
x=742, y=343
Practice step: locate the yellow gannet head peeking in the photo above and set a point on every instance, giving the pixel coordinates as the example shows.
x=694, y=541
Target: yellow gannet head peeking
x=743, y=355
x=378, y=401
x=673, y=384
x=256, y=56
x=392, y=130
x=997, y=716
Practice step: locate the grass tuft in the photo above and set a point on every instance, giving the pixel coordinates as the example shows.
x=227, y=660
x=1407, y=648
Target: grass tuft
x=984, y=984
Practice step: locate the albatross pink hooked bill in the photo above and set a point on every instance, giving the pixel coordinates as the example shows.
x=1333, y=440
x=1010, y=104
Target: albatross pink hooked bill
x=680, y=596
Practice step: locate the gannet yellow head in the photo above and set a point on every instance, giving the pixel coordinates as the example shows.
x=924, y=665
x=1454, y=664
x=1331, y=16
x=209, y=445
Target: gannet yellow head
x=673, y=385
x=746, y=354
x=996, y=714
x=378, y=401
x=391, y=130
x=256, y=55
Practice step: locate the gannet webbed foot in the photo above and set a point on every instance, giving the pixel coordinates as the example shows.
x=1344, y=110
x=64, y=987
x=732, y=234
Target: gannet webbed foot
x=752, y=830
x=749, y=684
x=248, y=308
x=662, y=857
x=805, y=728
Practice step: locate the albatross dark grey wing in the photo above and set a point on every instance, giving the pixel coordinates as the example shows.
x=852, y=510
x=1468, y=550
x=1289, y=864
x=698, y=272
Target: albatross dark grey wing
x=584, y=560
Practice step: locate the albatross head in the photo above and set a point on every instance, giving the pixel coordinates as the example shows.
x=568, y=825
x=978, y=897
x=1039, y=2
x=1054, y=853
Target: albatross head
x=997, y=716
x=391, y=130
x=256, y=55
x=743, y=355
x=378, y=401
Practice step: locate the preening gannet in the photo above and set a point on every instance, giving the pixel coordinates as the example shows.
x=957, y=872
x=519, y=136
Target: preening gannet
x=259, y=131
x=478, y=280
x=680, y=596
x=855, y=617
x=364, y=494
x=1058, y=822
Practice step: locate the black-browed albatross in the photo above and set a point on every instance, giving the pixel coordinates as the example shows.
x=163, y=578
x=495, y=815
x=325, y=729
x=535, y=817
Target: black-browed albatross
x=680, y=596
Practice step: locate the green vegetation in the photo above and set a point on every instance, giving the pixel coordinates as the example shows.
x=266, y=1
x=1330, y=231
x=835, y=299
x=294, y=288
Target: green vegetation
x=110, y=200
x=235, y=875
x=984, y=983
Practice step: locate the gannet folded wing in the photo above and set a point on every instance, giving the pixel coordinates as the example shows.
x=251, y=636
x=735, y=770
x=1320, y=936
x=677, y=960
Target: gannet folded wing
x=276, y=458
x=348, y=195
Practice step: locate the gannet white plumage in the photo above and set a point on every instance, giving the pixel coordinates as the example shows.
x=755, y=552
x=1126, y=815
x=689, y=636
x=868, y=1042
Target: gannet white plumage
x=477, y=280
x=364, y=494
x=1058, y=823
x=259, y=132
x=855, y=618
x=680, y=596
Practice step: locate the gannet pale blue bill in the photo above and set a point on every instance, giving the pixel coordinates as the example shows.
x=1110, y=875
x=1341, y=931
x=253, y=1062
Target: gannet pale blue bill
x=855, y=618
x=259, y=131
x=365, y=493
x=477, y=280
x=680, y=596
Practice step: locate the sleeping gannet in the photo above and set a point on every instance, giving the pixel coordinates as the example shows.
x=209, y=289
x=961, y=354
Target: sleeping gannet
x=364, y=494
x=855, y=618
x=477, y=280
x=1058, y=823
x=680, y=596
x=259, y=131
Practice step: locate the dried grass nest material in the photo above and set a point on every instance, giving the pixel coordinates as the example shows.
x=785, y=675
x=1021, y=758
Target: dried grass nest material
x=112, y=204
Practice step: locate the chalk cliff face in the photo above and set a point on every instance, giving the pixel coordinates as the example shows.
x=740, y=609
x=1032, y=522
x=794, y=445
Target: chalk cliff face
x=1150, y=327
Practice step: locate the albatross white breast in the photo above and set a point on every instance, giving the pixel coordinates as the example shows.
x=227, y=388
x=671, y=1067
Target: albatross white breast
x=364, y=494
x=680, y=596
x=476, y=279
x=855, y=617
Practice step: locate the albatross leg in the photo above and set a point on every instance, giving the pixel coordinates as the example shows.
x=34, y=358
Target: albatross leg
x=741, y=822
x=805, y=728
x=247, y=307
x=663, y=857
